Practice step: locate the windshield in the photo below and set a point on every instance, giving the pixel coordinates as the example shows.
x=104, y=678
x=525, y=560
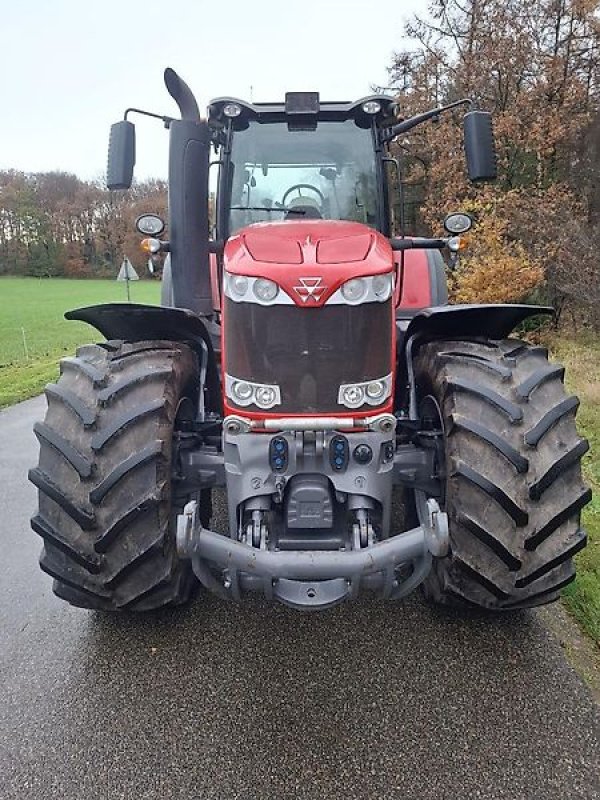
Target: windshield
x=326, y=173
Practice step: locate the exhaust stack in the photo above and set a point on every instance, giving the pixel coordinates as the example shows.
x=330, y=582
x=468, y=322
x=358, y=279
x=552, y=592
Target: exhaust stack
x=189, y=148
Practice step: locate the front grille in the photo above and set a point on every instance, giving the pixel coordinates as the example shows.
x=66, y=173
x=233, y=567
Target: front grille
x=308, y=352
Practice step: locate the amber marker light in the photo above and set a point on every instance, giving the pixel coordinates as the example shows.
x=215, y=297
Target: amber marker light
x=457, y=243
x=151, y=246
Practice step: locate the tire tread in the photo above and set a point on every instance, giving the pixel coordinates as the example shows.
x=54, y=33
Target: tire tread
x=512, y=539
x=104, y=476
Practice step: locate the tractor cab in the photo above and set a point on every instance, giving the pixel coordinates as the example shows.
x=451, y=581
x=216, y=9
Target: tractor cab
x=299, y=160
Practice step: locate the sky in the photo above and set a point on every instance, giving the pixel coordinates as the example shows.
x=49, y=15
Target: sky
x=68, y=69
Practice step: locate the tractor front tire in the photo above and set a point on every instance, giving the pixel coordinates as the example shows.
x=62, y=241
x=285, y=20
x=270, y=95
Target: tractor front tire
x=107, y=502
x=511, y=473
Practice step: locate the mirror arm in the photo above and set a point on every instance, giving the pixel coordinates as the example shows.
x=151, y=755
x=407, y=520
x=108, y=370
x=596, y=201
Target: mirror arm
x=412, y=122
x=166, y=120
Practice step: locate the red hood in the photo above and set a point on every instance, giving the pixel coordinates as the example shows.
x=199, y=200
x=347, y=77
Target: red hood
x=289, y=252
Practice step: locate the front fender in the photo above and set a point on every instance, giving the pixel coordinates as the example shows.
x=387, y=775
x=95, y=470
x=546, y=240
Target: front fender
x=135, y=322
x=491, y=321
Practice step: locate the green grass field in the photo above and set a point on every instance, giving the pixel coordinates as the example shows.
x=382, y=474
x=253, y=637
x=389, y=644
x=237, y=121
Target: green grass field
x=581, y=357
x=34, y=335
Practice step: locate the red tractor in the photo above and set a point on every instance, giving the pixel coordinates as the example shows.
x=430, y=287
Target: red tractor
x=305, y=359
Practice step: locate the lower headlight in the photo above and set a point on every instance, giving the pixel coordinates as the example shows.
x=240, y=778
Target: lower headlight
x=373, y=393
x=353, y=396
x=265, y=396
x=246, y=393
x=242, y=392
x=376, y=390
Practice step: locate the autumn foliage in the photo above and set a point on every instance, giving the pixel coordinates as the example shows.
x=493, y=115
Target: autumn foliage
x=536, y=67
x=495, y=268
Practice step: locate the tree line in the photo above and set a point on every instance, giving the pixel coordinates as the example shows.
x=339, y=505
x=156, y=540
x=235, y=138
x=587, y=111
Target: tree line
x=54, y=224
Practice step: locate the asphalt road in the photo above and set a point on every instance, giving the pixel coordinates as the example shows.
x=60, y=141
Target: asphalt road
x=371, y=700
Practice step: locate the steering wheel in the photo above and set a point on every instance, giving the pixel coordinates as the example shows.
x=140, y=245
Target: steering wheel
x=299, y=187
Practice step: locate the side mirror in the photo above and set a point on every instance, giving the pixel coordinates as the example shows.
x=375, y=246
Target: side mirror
x=479, y=146
x=121, y=155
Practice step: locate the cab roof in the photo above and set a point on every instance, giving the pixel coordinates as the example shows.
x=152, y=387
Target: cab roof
x=333, y=111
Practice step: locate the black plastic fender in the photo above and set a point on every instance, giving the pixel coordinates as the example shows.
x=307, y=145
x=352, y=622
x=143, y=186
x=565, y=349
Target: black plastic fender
x=135, y=322
x=490, y=321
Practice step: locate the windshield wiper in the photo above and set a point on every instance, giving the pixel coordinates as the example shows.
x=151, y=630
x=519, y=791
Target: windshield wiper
x=267, y=208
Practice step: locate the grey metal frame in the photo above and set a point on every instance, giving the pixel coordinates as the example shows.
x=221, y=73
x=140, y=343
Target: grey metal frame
x=334, y=565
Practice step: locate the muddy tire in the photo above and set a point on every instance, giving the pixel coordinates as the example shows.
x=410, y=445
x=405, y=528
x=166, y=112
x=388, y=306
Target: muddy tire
x=511, y=472
x=107, y=503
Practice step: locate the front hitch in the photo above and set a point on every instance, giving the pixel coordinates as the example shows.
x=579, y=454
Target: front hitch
x=312, y=578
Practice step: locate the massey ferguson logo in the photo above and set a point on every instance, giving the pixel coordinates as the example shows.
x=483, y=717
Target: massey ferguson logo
x=310, y=288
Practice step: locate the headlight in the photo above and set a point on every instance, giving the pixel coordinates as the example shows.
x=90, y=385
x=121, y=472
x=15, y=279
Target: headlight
x=242, y=392
x=354, y=290
x=247, y=393
x=265, y=290
x=382, y=286
x=376, y=390
x=238, y=285
x=265, y=396
x=371, y=107
x=353, y=396
x=373, y=393
x=232, y=110
x=247, y=289
x=364, y=289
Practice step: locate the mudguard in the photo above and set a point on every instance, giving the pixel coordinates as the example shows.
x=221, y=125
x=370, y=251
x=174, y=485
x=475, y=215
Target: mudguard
x=490, y=321
x=495, y=321
x=135, y=322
